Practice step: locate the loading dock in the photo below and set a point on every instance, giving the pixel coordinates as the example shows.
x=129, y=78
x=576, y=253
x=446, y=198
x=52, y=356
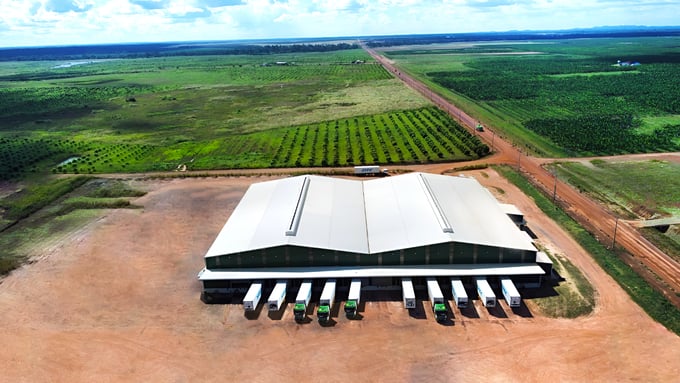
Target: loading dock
x=485, y=293
x=277, y=296
x=253, y=296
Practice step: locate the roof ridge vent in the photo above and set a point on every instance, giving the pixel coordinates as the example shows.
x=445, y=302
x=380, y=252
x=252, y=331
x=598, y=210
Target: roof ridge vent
x=295, y=220
x=436, y=207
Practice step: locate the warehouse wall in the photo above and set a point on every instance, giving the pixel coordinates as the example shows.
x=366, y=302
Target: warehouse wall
x=445, y=253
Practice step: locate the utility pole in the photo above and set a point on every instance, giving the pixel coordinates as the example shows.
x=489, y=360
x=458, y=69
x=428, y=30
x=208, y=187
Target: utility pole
x=519, y=159
x=616, y=226
x=493, y=135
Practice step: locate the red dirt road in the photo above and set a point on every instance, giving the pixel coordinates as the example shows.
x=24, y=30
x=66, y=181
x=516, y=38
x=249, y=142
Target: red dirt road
x=118, y=301
x=593, y=216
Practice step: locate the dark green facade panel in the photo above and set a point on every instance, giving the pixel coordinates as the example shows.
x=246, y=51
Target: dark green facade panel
x=275, y=257
x=391, y=258
x=463, y=253
x=369, y=259
x=439, y=253
x=252, y=259
x=488, y=254
x=415, y=256
x=324, y=257
x=512, y=256
x=348, y=259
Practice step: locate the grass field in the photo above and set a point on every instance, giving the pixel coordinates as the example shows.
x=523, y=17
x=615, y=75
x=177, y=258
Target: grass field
x=41, y=212
x=641, y=189
x=636, y=189
x=563, y=97
x=129, y=115
x=575, y=295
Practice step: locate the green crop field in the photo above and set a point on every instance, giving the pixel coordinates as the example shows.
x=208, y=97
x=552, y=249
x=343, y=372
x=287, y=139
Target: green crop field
x=642, y=188
x=636, y=189
x=563, y=97
x=411, y=136
x=216, y=112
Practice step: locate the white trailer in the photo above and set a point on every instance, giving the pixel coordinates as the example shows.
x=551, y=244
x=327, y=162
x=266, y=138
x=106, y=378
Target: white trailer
x=253, y=296
x=353, y=299
x=437, y=299
x=370, y=170
x=408, y=293
x=485, y=293
x=304, y=295
x=458, y=291
x=510, y=293
x=277, y=296
x=326, y=301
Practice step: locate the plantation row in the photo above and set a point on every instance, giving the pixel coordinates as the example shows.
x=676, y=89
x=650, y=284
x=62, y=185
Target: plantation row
x=586, y=105
x=19, y=156
x=402, y=137
x=410, y=136
x=606, y=134
x=420, y=135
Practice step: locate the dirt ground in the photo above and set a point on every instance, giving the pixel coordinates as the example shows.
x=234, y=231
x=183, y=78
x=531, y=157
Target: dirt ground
x=119, y=301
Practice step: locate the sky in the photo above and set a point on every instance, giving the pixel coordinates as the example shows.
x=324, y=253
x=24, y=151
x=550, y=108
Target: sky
x=76, y=22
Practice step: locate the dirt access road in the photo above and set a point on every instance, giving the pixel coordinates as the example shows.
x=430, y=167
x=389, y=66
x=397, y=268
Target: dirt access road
x=593, y=216
x=118, y=301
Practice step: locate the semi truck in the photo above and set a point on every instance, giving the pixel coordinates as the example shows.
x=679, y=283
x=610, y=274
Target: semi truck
x=353, y=299
x=485, y=293
x=370, y=170
x=437, y=300
x=277, y=296
x=510, y=293
x=253, y=296
x=304, y=295
x=408, y=293
x=326, y=301
x=460, y=297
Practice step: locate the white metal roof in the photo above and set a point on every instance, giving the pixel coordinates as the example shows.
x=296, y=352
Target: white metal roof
x=511, y=209
x=461, y=270
x=371, y=216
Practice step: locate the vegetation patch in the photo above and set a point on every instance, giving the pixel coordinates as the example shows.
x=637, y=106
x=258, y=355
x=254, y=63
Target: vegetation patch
x=575, y=295
x=642, y=189
x=33, y=198
x=52, y=209
x=26, y=240
x=577, y=97
x=653, y=302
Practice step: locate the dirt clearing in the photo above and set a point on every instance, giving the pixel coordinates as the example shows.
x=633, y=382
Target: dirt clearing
x=120, y=302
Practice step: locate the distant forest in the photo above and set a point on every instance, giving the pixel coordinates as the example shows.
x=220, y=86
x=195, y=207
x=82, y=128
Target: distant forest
x=386, y=41
x=275, y=46
x=146, y=50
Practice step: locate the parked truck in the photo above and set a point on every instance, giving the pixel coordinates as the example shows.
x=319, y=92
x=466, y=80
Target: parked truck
x=304, y=295
x=353, y=299
x=408, y=293
x=460, y=297
x=326, y=301
x=370, y=170
x=277, y=296
x=253, y=296
x=510, y=293
x=437, y=300
x=485, y=293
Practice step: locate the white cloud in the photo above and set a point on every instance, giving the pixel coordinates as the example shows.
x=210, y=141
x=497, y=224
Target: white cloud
x=40, y=22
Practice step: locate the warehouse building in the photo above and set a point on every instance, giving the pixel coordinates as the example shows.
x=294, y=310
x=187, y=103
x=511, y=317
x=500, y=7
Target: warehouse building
x=413, y=225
